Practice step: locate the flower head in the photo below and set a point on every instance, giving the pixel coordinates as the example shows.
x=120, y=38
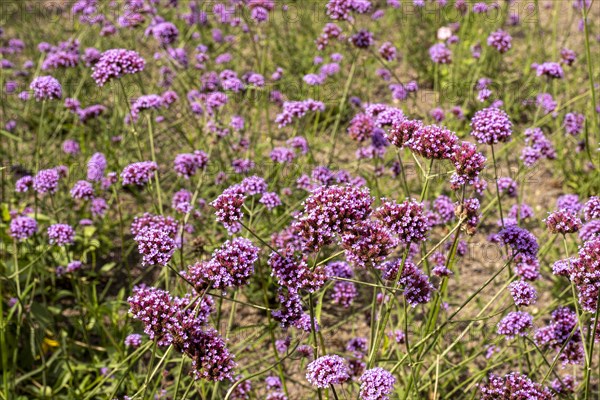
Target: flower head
x=491, y=125
x=46, y=88
x=327, y=370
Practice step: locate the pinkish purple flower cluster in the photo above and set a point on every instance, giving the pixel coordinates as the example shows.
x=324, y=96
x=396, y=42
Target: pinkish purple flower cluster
x=22, y=227
x=523, y=293
x=228, y=208
x=327, y=370
x=46, y=88
x=491, y=125
x=376, y=384
x=516, y=323
x=115, y=63
x=232, y=265
x=563, y=221
x=407, y=219
x=513, y=386
x=330, y=211
x=138, y=173
x=61, y=234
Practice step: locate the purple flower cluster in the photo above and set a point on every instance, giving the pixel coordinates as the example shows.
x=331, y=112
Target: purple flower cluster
x=368, y=242
x=46, y=88
x=563, y=221
x=361, y=127
x=585, y=273
x=433, y=142
x=23, y=227
x=362, y=39
x=297, y=109
x=552, y=70
x=402, y=131
x=519, y=240
x=562, y=333
x=500, y=40
x=23, y=184
x=232, y=265
x=591, y=209
x=96, y=167
x=180, y=322
x=228, y=208
x=516, y=323
x=440, y=54
x=491, y=125
x=156, y=245
x=407, y=219
x=341, y=9
x=187, y=164
x=167, y=224
x=294, y=273
x=538, y=146
x=468, y=162
x=115, y=63
x=376, y=384
x=138, y=173
x=327, y=370
x=569, y=202
x=61, y=234
x=329, y=211
x=523, y=293
x=46, y=181
x=134, y=340
x=270, y=200
x=574, y=123
x=513, y=386
x=82, y=190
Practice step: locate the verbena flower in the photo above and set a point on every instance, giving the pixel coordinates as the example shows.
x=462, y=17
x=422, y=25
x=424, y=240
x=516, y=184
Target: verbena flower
x=294, y=273
x=376, y=384
x=228, y=208
x=22, y=227
x=519, y=240
x=329, y=211
x=82, y=190
x=562, y=334
x=585, y=273
x=563, y=221
x=513, y=386
x=491, y=125
x=440, y=54
x=574, y=123
x=46, y=88
x=552, y=70
x=138, y=173
x=407, y=219
x=46, y=181
x=156, y=245
x=133, y=340
x=61, y=234
x=344, y=293
x=96, y=167
x=232, y=265
x=368, y=242
x=433, y=142
x=591, y=209
x=569, y=202
x=115, y=63
x=327, y=370
x=500, y=40
x=516, y=323
x=468, y=162
x=187, y=164
x=523, y=293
